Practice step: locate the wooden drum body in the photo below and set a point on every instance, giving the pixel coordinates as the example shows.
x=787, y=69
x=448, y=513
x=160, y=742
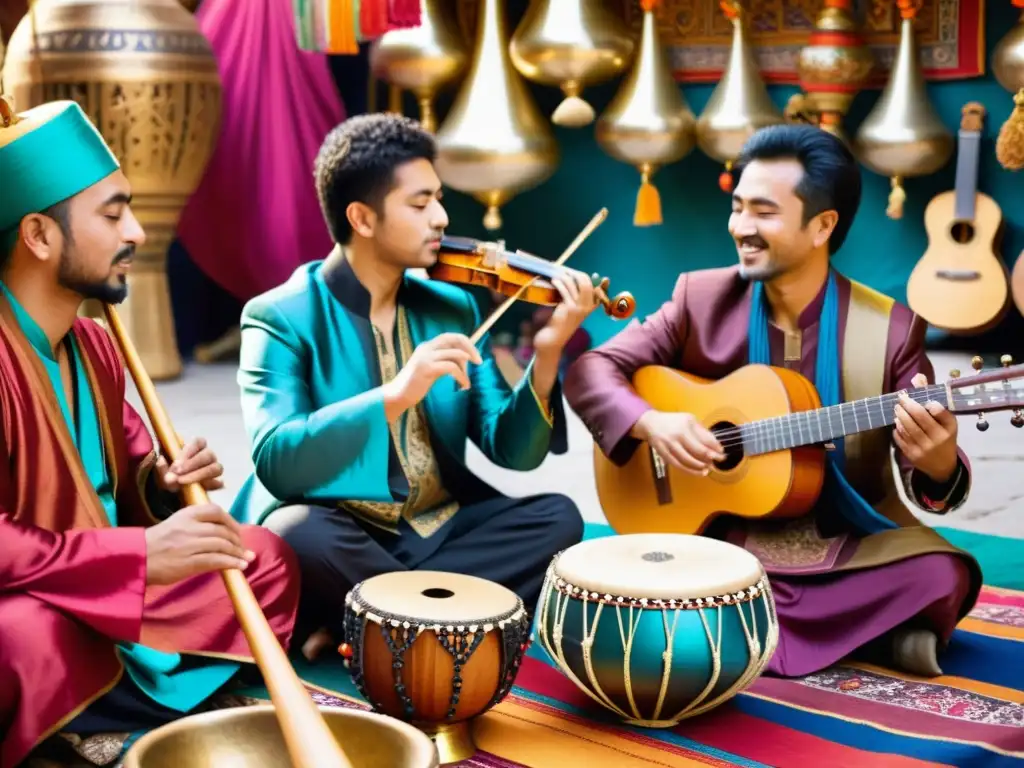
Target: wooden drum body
x=435, y=649
x=657, y=628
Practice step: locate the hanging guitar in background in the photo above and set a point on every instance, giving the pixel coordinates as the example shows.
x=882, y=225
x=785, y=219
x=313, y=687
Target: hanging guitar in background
x=961, y=283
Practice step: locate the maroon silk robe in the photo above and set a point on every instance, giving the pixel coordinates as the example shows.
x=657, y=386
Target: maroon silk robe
x=835, y=592
x=70, y=584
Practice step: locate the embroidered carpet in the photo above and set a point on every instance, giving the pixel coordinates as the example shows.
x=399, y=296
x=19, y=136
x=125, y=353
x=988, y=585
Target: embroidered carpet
x=850, y=715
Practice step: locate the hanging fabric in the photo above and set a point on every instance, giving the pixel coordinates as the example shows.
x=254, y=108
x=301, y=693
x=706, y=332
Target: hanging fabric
x=339, y=26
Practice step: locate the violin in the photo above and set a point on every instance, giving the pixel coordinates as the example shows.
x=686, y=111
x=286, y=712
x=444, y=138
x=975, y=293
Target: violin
x=468, y=261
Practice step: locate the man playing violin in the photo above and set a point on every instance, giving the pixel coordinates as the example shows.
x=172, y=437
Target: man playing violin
x=113, y=614
x=360, y=389
x=859, y=573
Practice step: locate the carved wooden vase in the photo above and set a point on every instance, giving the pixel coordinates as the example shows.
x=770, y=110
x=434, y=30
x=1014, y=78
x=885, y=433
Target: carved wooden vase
x=147, y=78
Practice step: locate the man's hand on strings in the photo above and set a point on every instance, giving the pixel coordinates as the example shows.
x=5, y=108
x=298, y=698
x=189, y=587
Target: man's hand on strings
x=926, y=434
x=579, y=299
x=448, y=354
x=195, y=464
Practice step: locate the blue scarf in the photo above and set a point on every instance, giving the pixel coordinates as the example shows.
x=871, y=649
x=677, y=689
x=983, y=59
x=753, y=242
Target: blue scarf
x=850, y=504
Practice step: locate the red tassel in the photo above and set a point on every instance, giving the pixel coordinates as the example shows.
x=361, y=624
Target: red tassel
x=403, y=14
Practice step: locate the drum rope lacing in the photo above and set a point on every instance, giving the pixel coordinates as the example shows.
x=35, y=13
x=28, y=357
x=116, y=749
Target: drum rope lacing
x=564, y=592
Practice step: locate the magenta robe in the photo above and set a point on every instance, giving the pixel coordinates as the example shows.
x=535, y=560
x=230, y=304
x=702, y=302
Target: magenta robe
x=860, y=588
x=70, y=584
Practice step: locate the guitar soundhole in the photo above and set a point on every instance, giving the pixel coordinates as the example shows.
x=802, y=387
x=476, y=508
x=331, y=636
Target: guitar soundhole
x=962, y=232
x=728, y=436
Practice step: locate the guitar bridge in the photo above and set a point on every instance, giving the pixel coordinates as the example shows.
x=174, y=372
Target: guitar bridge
x=661, y=482
x=958, y=275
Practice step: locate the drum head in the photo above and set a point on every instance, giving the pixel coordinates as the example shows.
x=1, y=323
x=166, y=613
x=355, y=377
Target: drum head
x=658, y=566
x=436, y=597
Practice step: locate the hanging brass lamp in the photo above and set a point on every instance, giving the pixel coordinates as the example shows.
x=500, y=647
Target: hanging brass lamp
x=495, y=142
x=571, y=44
x=648, y=124
x=903, y=135
x=835, y=64
x=424, y=59
x=740, y=103
x=1008, y=68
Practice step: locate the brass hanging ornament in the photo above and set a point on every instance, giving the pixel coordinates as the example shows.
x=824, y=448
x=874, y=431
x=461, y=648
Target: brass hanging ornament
x=1008, y=68
x=903, y=136
x=740, y=103
x=571, y=44
x=495, y=142
x=834, y=65
x=423, y=60
x=648, y=123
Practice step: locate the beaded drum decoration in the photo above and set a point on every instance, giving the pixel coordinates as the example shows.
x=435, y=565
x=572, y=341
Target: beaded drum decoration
x=434, y=649
x=658, y=628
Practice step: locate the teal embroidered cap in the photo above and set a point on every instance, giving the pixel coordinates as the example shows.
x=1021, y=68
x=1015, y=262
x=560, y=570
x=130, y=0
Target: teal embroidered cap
x=47, y=154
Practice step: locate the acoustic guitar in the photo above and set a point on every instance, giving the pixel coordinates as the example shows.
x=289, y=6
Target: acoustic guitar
x=961, y=285
x=775, y=434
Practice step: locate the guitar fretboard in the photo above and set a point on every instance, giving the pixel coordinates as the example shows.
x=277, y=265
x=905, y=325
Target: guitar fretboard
x=966, y=176
x=826, y=424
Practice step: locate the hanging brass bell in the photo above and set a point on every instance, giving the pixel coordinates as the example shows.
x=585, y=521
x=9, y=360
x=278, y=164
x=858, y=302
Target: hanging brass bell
x=1008, y=58
x=494, y=142
x=648, y=123
x=571, y=44
x=423, y=59
x=740, y=103
x=903, y=135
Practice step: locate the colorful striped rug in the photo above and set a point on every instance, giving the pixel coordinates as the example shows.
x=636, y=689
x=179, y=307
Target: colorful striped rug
x=850, y=715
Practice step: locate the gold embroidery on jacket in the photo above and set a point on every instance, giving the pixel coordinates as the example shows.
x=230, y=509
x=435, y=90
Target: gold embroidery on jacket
x=429, y=505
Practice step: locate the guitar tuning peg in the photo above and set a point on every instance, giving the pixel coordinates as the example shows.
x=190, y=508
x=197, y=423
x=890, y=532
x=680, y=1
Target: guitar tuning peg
x=982, y=424
x=977, y=362
x=1006, y=360
x=955, y=373
x=1017, y=419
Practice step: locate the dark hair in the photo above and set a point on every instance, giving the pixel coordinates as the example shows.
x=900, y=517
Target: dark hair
x=831, y=180
x=357, y=162
x=59, y=212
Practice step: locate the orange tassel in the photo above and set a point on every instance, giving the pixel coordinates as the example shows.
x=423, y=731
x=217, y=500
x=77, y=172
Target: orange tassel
x=342, y=28
x=648, y=205
x=647, y=5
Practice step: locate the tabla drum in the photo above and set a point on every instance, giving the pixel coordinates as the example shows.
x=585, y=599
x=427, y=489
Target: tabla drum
x=435, y=649
x=657, y=628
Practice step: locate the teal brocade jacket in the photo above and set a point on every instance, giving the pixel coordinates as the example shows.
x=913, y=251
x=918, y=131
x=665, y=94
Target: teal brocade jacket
x=313, y=407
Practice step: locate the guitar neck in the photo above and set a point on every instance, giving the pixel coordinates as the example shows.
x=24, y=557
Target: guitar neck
x=831, y=423
x=966, y=175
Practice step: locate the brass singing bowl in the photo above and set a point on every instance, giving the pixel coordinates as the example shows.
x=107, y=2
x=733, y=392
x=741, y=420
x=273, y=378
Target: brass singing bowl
x=250, y=737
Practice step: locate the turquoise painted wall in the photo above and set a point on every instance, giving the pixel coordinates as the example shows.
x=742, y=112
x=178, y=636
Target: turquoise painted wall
x=879, y=251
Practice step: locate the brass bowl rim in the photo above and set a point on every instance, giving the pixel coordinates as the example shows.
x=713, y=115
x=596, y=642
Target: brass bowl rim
x=427, y=750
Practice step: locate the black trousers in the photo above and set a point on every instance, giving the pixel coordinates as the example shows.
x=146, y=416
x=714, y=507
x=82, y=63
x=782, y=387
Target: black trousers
x=508, y=541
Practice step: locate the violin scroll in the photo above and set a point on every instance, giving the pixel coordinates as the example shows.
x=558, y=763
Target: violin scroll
x=620, y=306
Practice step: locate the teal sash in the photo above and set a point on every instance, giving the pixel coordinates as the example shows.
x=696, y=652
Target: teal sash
x=159, y=675
x=850, y=504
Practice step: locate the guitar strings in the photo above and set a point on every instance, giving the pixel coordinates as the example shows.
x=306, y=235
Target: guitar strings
x=733, y=436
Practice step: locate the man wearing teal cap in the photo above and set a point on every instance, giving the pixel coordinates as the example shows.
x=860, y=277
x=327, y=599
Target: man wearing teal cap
x=113, y=617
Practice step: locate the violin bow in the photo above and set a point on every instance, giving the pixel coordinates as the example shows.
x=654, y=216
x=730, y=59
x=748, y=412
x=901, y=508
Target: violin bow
x=595, y=222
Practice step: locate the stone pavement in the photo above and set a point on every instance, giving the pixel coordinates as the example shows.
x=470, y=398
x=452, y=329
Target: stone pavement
x=204, y=401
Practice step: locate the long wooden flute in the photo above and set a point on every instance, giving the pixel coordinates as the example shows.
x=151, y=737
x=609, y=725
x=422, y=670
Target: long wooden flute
x=310, y=742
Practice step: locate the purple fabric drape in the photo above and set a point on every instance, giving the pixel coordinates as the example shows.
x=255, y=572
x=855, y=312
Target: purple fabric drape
x=255, y=216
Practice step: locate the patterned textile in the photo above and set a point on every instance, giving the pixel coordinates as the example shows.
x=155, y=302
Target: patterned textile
x=950, y=33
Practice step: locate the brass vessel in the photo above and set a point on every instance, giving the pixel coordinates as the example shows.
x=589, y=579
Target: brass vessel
x=571, y=44
x=423, y=59
x=146, y=76
x=903, y=135
x=740, y=103
x=835, y=64
x=250, y=737
x=494, y=142
x=1008, y=58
